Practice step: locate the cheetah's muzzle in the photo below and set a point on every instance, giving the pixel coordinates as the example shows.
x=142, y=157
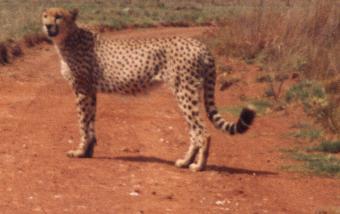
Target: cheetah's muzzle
x=52, y=30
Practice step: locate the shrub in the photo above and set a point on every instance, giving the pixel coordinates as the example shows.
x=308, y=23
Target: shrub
x=33, y=39
x=3, y=54
x=328, y=146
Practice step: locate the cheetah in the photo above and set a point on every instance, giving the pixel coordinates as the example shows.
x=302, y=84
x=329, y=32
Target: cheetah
x=93, y=64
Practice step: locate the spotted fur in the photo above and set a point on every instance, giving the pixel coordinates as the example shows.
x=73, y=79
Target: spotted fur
x=93, y=64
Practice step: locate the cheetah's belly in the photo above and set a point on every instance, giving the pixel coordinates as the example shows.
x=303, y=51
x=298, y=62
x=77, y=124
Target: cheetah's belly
x=126, y=84
x=130, y=74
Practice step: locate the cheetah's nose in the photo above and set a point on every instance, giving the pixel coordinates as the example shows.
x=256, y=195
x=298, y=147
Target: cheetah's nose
x=49, y=26
x=52, y=30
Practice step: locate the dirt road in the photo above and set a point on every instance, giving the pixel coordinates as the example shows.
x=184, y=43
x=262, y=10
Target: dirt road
x=138, y=140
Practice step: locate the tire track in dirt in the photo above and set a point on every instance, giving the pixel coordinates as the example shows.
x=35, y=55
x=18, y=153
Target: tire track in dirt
x=138, y=140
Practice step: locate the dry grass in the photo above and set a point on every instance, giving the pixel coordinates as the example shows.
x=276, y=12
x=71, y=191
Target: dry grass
x=295, y=38
x=301, y=38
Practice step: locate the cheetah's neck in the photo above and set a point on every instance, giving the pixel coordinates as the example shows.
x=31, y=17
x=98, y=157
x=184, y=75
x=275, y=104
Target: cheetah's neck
x=76, y=38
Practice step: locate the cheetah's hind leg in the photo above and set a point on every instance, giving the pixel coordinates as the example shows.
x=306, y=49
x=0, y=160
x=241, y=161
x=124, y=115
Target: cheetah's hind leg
x=198, y=149
x=188, y=97
x=83, y=153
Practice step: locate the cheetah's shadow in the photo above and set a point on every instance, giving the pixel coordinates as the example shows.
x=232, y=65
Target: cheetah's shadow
x=220, y=169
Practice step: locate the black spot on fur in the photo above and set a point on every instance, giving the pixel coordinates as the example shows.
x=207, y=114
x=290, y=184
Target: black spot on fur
x=232, y=129
x=90, y=148
x=217, y=119
x=211, y=114
x=220, y=124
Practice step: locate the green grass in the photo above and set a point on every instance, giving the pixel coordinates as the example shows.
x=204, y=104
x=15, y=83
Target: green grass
x=320, y=164
x=261, y=107
x=307, y=92
x=321, y=159
x=307, y=133
x=116, y=14
x=327, y=146
x=318, y=103
x=234, y=110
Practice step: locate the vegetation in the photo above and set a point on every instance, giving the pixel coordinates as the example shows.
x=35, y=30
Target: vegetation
x=261, y=107
x=317, y=102
x=321, y=164
x=300, y=39
x=115, y=14
x=327, y=146
x=308, y=133
x=321, y=158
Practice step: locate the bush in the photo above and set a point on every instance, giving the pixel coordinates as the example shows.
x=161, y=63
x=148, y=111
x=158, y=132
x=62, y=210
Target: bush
x=308, y=92
x=3, y=54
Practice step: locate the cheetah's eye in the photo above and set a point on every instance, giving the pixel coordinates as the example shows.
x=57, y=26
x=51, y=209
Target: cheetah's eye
x=58, y=16
x=45, y=16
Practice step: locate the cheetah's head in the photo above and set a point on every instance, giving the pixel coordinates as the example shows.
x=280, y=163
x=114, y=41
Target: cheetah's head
x=58, y=22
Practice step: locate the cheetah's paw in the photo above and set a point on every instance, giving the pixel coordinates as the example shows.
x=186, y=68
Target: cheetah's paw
x=181, y=163
x=196, y=167
x=76, y=154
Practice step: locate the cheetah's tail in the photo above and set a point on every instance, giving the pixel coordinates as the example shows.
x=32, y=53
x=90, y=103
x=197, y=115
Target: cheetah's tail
x=246, y=118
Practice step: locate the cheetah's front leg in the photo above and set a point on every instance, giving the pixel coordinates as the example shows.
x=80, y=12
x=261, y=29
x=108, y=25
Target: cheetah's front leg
x=86, y=106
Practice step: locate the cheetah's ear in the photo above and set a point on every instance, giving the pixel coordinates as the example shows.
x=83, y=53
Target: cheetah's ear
x=74, y=14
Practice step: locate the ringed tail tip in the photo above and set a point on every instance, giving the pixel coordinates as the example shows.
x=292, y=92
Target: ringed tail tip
x=247, y=117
